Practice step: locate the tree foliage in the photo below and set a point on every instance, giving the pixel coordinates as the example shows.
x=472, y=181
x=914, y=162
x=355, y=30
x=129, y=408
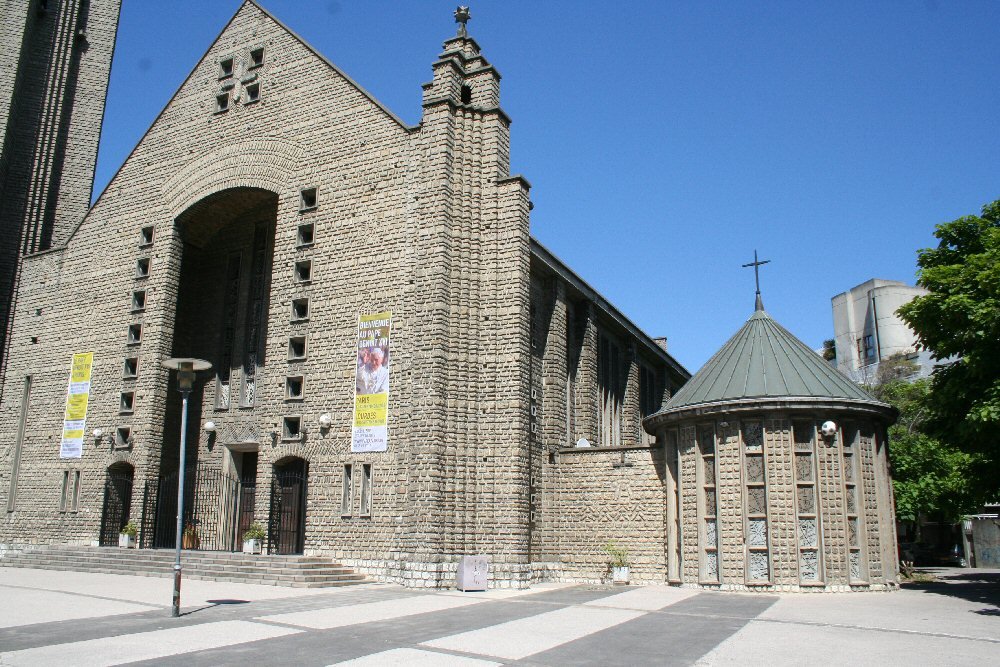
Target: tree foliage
x=929, y=476
x=959, y=323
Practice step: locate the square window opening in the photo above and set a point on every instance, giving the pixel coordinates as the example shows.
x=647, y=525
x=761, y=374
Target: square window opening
x=291, y=428
x=134, y=334
x=300, y=309
x=226, y=68
x=296, y=348
x=253, y=93
x=142, y=267
x=307, y=199
x=131, y=369
x=146, y=236
x=222, y=102
x=303, y=271
x=306, y=234
x=127, y=401
x=123, y=436
x=256, y=57
x=294, y=388
x=139, y=300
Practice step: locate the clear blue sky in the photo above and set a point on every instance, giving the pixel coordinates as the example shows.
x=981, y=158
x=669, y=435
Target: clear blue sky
x=666, y=141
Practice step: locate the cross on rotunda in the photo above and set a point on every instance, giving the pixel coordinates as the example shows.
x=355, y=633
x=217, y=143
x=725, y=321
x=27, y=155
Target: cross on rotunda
x=462, y=17
x=756, y=264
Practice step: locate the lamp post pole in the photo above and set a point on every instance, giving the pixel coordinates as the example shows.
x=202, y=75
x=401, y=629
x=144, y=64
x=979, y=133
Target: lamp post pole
x=185, y=381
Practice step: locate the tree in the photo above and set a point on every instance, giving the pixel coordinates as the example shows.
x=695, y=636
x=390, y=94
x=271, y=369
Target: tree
x=830, y=349
x=959, y=323
x=930, y=477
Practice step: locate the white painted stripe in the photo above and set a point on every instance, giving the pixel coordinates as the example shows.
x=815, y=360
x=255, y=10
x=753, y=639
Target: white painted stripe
x=647, y=598
x=145, y=645
x=411, y=657
x=27, y=606
x=336, y=617
x=526, y=636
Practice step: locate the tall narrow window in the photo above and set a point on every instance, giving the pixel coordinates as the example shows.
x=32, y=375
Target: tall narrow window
x=855, y=555
x=64, y=496
x=18, y=443
x=806, y=503
x=230, y=305
x=709, y=506
x=758, y=556
x=75, y=501
x=366, y=489
x=649, y=398
x=259, y=271
x=347, y=491
x=611, y=388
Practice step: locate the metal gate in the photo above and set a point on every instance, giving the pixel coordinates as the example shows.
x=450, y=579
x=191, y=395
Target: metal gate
x=212, y=501
x=117, y=503
x=287, y=522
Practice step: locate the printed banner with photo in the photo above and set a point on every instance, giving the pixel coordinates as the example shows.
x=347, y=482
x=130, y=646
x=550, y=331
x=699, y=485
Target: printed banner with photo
x=370, y=432
x=77, y=398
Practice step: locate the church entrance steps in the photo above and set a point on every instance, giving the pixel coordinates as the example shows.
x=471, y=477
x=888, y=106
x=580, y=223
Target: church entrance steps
x=290, y=571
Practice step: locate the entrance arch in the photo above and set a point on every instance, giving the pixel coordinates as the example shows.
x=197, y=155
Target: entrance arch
x=117, y=502
x=287, y=525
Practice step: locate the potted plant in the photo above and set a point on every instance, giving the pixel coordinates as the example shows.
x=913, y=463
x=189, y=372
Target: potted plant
x=126, y=537
x=619, y=563
x=253, y=538
x=190, y=539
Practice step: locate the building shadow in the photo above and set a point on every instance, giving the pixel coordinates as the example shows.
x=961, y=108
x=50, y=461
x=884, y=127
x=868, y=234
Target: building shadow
x=981, y=587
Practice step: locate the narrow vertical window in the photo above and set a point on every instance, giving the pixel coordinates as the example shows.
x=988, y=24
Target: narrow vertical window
x=610, y=386
x=230, y=305
x=806, y=503
x=75, y=503
x=758, y=556
x=855, y=555
x=18, y=443
x=347, y=492
x=64, y=495
x=366, y=489
x=708, y=505
x=256, y=313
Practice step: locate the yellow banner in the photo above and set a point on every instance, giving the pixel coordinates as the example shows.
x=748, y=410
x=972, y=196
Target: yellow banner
x=371, y=388
x=77, y=400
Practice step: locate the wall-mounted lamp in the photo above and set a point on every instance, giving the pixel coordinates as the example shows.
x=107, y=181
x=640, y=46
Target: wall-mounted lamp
x=723, y=424
x=98, y=434
x=325, y=420
x=209, y=427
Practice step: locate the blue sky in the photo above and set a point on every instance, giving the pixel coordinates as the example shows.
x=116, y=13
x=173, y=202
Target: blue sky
x=666, y=141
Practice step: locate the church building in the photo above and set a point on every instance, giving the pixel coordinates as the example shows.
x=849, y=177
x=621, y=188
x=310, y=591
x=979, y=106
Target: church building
x=400, y=375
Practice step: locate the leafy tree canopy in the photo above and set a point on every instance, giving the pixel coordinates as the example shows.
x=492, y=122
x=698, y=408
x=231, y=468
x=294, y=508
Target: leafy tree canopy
x=959, y=322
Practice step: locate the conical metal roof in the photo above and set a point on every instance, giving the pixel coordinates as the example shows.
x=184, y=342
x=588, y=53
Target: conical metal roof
x=764, y=361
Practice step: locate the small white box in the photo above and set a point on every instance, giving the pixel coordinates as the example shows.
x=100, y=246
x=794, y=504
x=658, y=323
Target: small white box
x=473, y=573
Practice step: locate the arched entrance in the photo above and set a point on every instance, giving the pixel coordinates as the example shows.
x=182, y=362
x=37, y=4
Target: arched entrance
x=287, y=525
x=117, y=502
x=223, y=297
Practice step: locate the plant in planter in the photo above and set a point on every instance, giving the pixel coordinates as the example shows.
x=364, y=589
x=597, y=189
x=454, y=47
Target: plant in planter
x=619, y=562
x=253, y=538
x=190, y=538
x=126, y=537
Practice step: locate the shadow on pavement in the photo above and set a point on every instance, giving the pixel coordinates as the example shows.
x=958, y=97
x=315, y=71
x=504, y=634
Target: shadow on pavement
x=972, y=585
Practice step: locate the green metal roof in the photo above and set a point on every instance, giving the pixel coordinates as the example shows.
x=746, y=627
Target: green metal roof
x=763, y=360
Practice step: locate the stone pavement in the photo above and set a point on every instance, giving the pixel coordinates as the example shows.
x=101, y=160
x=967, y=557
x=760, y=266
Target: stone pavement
x=90, y=619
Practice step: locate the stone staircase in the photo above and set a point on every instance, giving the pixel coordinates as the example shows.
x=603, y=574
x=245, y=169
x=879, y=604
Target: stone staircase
x=291, y=571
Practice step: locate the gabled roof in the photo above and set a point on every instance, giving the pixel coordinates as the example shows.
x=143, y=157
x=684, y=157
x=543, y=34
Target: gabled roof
x=764, y=361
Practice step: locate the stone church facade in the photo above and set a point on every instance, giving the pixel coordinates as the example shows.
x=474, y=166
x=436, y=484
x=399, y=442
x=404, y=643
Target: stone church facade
x=271, y=205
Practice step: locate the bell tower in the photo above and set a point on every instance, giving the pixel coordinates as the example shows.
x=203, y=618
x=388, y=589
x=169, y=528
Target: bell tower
x=55, y=60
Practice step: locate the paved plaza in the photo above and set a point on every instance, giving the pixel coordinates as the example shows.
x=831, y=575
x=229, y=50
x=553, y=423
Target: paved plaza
x=66, y=618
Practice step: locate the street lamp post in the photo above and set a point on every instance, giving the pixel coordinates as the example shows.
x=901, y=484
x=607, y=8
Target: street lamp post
x=186, y=369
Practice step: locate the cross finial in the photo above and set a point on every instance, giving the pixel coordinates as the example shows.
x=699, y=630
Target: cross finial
x=462, y=17
x=759, y=304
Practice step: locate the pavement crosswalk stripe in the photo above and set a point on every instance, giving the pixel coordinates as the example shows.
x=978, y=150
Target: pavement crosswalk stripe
x=412, y=657
x=121, y=649
x=647, y=598
x=533, y=634
x=336, y=617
